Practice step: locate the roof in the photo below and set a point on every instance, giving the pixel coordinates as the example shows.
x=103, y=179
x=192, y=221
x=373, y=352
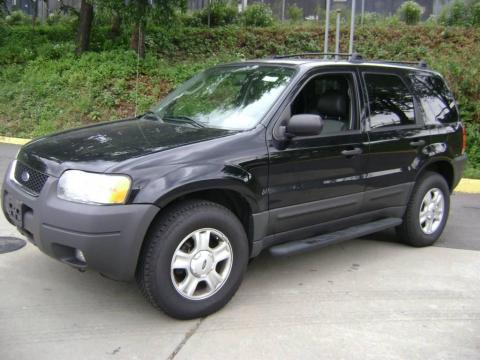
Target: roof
x=354, y=60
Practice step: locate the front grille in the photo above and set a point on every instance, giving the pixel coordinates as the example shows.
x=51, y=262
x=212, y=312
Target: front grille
x=30, y=178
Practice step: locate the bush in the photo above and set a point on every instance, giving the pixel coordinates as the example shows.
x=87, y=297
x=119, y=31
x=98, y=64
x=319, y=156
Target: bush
x=221, y=13
x=456, y=13
x=191, y=19
x=295, y=13
x=258, y=15
x=372, y=18
x=410, y=12
x=475, y=14
x=17, y=18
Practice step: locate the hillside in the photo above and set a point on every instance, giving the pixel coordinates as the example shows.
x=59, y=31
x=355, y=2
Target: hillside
x=45, y=88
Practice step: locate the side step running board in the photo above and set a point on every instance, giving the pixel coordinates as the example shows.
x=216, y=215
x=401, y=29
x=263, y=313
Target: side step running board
x=316, y=242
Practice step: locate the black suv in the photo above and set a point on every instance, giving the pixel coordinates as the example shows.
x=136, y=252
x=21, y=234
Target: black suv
x=288, y=154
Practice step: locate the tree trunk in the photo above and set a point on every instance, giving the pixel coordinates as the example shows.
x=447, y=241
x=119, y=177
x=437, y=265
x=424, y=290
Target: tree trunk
x=35, y=12
x=84, y=27
x=115, y=28
x=137, y=41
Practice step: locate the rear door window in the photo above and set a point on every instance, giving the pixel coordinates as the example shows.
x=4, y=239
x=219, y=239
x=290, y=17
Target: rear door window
x=390, y=101
x=437, y=101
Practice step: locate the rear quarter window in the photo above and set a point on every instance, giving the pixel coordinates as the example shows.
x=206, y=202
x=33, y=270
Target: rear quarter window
x=437, y=101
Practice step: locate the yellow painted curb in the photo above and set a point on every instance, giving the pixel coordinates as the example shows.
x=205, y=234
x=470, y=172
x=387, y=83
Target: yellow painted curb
x=12, y=140
x=470, y=186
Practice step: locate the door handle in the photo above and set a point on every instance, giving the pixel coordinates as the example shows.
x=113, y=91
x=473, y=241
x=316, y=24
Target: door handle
x=417, y=143
x=352, y=152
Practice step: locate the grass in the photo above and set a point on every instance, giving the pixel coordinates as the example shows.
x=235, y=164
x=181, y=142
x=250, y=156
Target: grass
x=471, y=172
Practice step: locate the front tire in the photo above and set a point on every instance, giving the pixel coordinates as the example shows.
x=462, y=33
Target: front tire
x=427, y=211
x=194, y=259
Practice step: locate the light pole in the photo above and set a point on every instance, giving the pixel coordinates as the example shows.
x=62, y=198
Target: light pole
x=352, y=28
x=327, y=26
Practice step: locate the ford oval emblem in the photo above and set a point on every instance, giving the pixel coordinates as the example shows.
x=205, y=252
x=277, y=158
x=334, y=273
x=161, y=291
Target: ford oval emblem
x=25, y=176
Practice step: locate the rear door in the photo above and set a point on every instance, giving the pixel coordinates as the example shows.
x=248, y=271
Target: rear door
x=396, y=138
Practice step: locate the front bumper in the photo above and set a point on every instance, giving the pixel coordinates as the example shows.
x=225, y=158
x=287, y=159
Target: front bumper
x=109, y=236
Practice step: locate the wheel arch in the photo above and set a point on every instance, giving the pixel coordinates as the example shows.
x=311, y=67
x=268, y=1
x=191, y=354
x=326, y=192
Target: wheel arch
x=442, y=166
x=239, y=202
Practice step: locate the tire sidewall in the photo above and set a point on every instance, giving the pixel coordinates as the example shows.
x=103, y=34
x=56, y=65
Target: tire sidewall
x=428, y=183
x=162, y=288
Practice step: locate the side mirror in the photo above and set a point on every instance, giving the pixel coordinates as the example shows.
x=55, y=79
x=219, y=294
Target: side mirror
x=304, y=125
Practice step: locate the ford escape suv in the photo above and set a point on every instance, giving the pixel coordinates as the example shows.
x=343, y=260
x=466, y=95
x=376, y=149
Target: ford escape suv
x=287, y=154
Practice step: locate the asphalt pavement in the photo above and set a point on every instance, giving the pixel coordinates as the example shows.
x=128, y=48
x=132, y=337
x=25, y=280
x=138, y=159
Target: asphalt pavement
x=370, y=298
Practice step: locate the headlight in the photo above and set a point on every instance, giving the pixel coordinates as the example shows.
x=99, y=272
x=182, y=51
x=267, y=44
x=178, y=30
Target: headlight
x=91, y=188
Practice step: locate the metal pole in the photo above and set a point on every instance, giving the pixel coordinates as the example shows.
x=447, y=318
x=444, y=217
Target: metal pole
x=327, y=26
x=337, y=36
x=283, y=10
x=352, y=28
x=363, y=10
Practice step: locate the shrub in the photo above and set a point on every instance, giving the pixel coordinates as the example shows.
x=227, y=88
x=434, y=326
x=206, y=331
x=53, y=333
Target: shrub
x=475, y=14
x=191, y=19
x=258, y=15
x=372, y=18
x=410, y=12
x=221, y=13
x=455, y=14
x=53, y=18
x=295, y=13
x=17, y=18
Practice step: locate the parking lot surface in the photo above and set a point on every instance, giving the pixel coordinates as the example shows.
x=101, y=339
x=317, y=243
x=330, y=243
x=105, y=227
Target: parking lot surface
x=369, y=298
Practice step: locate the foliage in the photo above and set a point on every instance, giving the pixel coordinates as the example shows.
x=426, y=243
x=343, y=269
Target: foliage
x=258, y=15
x=219, y=13
x=461, y=13
x=44, y=87
x=295, y=13
x=17, y=17
x=57, y=17
x=410, y=12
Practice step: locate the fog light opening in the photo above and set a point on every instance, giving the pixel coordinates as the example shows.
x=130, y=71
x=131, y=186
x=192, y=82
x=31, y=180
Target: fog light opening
x=79, y=256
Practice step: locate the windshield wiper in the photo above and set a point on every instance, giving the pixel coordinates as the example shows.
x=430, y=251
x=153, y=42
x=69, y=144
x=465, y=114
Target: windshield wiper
x=151, y=115
x=183, y=119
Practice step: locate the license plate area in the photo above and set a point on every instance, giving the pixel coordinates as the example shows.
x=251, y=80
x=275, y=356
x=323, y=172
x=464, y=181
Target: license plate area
x=14, y=210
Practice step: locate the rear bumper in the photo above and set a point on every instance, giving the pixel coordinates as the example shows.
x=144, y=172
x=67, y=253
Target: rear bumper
x=110, y=237
x=458, y=164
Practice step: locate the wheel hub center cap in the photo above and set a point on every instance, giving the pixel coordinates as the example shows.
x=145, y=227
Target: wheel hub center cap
x=202, y=263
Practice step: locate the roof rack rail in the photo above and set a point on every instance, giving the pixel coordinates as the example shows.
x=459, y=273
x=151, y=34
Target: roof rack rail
x=422, y=63
x=352, y=56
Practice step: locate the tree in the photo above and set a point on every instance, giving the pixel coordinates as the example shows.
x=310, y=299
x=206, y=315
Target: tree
x=161, y=11
x=84, y=27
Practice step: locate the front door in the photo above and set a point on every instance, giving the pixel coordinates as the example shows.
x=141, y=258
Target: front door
x=316, y=179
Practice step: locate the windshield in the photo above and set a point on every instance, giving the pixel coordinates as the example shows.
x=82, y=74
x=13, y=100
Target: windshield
x=230, y=98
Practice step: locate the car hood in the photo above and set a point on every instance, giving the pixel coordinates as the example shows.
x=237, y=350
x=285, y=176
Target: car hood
x=98, y=147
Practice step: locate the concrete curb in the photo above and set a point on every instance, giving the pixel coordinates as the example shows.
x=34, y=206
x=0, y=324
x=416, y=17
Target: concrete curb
x=470, y=186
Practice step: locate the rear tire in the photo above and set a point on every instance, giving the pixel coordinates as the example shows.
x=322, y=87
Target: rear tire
x=427, y=211
x=194, y=259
